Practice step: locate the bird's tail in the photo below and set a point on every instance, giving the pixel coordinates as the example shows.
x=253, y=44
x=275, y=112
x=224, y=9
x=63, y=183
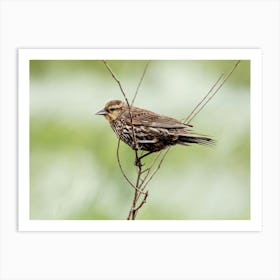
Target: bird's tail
x=186, y=139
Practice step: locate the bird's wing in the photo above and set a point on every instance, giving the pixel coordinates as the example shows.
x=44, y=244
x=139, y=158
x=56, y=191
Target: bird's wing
x=151, y=119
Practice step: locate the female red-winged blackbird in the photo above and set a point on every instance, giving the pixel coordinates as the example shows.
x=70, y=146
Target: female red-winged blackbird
x=149, y=131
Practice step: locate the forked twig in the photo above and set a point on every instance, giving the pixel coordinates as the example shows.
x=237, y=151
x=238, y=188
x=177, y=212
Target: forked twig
x=142, y=202
x=140, y=82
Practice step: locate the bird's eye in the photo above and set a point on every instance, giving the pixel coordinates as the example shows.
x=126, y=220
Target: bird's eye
x=112, y=109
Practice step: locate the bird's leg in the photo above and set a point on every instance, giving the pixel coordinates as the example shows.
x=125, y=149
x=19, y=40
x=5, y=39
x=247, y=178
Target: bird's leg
x=138, y=160
x=148, y=153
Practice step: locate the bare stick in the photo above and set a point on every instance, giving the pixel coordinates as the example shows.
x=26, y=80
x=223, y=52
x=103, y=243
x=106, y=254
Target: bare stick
x=189, y=119
x=157, y=169
x=137, y=194
x=136, y=208
x=142, y=202
x=121, y=168
x=117, y=80
x=209, y=92
x=120, y=165
x=149, y=169
x=133, y=211
x=140, y=82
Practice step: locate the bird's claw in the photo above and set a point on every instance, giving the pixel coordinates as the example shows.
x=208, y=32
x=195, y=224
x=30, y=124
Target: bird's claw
x=138, y=162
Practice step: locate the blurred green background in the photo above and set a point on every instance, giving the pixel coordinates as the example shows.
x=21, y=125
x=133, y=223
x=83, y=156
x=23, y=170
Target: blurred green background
x=74, y=172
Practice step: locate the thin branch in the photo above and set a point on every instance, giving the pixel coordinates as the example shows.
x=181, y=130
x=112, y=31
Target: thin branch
x=214, y=93
x=142, y=202
x=137, y=196
x=117, y=80
x=123, y=173
x=120, y=165
x=149, y=169
x=140, y=82
x=157, y=169
x=209, y=92
x=137, y=193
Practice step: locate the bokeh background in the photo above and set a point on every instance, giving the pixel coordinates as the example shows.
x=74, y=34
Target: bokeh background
x=74, y=172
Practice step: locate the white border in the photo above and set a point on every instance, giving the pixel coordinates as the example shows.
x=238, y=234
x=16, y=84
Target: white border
x=254, y=224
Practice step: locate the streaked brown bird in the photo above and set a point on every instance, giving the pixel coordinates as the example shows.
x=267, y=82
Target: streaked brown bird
x=148, y=131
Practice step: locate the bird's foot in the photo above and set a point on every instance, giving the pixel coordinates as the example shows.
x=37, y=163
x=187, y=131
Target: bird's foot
x=138, y=162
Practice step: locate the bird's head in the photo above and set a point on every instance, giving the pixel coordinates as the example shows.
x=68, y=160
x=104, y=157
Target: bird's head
x=112, y=110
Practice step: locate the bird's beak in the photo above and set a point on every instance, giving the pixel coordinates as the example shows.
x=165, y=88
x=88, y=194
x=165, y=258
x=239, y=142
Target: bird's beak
x=101, y=112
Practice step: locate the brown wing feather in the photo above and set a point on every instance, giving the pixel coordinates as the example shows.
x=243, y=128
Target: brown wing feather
x=151, y=119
